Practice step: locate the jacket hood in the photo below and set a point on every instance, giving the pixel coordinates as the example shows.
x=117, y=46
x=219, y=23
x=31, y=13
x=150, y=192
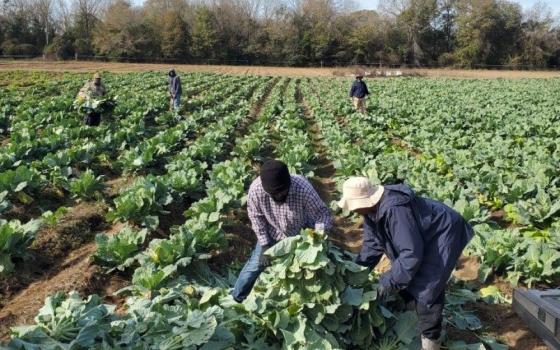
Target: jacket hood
x=394, y=195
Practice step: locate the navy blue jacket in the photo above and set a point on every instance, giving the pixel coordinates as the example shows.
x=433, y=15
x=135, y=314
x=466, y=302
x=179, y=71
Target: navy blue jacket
x=175, y=87
x=423, y=239
x=359, y=89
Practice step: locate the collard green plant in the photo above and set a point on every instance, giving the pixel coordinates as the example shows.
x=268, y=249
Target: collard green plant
x=118, y=251
x=66, y=322
x=142, y=202
x=317, y=296
x=15, y=237
x=87, y=186
x=52, y=218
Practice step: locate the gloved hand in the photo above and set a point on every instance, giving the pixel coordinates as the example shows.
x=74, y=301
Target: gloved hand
x=264, y=260
x=383, y=292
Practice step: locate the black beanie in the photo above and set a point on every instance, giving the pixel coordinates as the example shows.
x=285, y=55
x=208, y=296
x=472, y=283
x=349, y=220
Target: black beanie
x=275, y=176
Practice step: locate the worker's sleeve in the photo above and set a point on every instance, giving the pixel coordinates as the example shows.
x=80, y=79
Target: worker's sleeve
x=409, y=245
x=352, y=89
x=83, y=91
x=366, y=89
x=372, y=249
x=318, y=211
x=174, y=86
x=259, y=223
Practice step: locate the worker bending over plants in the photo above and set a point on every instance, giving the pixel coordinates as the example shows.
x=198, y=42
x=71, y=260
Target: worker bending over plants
x=423, y=239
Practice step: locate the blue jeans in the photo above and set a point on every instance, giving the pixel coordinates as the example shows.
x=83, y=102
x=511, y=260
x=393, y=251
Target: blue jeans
x=248, y=275
x=177, y=102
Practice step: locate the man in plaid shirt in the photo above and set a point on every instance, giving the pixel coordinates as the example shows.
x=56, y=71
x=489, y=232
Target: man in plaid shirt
x=280, y=205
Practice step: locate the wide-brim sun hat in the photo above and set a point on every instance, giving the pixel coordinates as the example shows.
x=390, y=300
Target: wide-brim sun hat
x=358, y=192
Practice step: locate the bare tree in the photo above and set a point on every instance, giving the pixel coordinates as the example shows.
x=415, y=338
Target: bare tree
x=393, y=8
x=63, y=15
x=87, y=11
x=44, y=10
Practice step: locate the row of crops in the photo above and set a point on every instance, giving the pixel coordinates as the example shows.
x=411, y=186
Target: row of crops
x=487, y=148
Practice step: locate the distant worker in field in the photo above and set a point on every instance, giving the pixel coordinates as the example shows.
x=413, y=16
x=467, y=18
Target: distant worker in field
x=280, y=205
x=175, y=89
x=423, y=239
x=92, y=101
x=358, y=93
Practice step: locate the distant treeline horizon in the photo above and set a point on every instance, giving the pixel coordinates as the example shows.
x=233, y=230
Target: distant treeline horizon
x=423, y=33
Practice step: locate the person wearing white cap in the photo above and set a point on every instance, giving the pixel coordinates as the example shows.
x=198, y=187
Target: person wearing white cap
x=423, y=238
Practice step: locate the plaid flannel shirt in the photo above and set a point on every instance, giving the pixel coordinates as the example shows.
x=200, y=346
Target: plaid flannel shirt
x=273, y=221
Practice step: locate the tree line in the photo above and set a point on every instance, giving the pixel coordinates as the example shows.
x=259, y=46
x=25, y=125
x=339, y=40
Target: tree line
x=466, y=33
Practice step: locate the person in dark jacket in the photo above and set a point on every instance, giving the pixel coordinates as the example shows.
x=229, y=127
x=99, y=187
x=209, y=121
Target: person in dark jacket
x=423, y=239
x=175, y=89
x=358, y=93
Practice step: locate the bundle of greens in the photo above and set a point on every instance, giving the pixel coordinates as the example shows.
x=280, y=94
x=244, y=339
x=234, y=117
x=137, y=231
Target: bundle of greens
x=312, y=297
x=316, y=297
x=87, y=104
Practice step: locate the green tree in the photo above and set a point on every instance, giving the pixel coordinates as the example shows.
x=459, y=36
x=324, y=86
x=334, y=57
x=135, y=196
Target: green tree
x=204, y=35
x=488, y=31
x=540, y=42
x=175, y=36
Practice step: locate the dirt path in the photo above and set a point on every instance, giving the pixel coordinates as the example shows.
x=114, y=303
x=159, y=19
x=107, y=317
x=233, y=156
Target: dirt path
x=85, y=66
x=240, y=235
x=74, y=234
x=345, y=233
x=52, y=245
x=75, y=272
x=500, y=320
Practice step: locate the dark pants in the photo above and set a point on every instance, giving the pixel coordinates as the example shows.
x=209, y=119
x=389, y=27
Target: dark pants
x=430, y=318
x=92, y=119
x=248, y=275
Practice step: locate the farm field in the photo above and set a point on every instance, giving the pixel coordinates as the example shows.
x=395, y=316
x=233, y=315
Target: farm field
x=89, y=66
x=152, y=204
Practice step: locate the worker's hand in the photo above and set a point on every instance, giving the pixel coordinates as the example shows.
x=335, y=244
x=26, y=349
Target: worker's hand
x=264, y=260
x=383, y=292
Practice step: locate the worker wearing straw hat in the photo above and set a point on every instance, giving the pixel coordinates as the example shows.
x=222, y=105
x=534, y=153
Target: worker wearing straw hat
x=423, y=239
x=91, y=92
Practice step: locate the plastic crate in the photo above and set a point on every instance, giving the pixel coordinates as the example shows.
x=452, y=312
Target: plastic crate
x=541, y=311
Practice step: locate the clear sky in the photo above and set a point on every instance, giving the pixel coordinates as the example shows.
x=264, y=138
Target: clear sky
x=554, y=4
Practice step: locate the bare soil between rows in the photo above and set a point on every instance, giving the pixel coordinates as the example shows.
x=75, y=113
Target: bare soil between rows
x=73, y=269
x=500, y=321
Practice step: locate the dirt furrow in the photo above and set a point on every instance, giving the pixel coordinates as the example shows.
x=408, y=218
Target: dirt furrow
x=240, y=236
x=75, y=271
x=345, y=233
